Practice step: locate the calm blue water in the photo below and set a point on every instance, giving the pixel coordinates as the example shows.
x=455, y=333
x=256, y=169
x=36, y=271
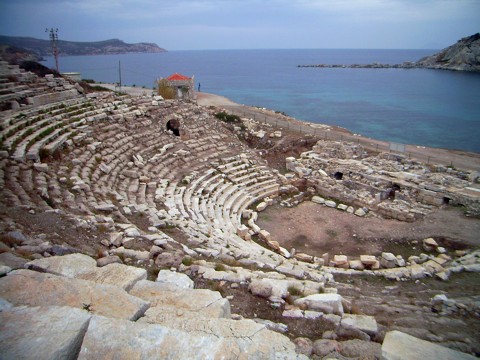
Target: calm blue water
x=424, y=107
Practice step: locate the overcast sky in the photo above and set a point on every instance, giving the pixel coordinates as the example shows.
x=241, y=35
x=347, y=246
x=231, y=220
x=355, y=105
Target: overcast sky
x=248, y=24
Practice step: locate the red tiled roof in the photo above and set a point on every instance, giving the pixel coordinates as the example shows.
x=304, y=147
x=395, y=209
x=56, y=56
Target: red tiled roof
x=177, y=76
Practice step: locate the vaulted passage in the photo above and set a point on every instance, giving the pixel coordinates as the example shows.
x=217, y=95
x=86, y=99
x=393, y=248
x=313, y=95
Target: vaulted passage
x=174, y=126
x=393, y=190
x=338, y=175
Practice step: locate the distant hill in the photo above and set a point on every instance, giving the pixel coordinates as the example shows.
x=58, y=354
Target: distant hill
x=15, y=55
x=464, y=55
x=113, y=46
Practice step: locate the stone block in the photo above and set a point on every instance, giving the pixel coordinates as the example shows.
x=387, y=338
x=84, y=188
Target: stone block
x=104, y=261
x=429, y=244
x=400, y=346
x=70, y=266
x=364, y=323
x=331, y=203
x=356, y=265
x=417, y=271
x=12, y=261
x=326, y=303
x=303, y=257
x=368, y=259
x=42, y=332
x=340, y=260
x=265, y=235
x=262, y=206
x=184, y=339
x=25, y=287
x=318, y=200
x=242, y=231
x=174, y=279
x=360, y=212
x=205, y=302
x=115, y=274
x=432, y=267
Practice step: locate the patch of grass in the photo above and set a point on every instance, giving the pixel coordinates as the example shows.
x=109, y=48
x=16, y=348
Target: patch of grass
x=294, y=291
x=44, y=154
x=152, y=273
x=228, y=118
x=187, y=261
x=331, y=233
x=87, y=307
x=220, y=267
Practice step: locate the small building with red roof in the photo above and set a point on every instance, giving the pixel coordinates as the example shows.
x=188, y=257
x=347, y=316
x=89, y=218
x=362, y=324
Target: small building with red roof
x=183, y=85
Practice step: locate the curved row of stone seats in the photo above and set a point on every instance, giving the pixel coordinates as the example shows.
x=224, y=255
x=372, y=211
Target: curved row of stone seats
x=11, y=117
x=23, y=89
x=11, y=78
x=15, y=127
x=44, y=132
x=214, y=199
x=15, y=192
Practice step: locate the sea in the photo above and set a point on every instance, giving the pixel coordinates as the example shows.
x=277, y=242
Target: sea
x=424, y=107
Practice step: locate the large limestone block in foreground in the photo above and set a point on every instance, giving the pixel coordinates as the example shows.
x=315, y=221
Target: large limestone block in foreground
x=120, y=339
x=42, y=333
x=25, y=287
x=68, y=265
x=246, y=335
x=401, y=346
x=166, y=302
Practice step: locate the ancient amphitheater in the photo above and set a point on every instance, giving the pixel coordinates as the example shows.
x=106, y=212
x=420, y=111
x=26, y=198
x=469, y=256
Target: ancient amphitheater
x=129, y=229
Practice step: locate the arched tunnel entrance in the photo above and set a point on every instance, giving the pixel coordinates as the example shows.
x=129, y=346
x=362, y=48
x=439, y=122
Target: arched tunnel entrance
x=338, y=175
x=174, y=126
x=393, y=190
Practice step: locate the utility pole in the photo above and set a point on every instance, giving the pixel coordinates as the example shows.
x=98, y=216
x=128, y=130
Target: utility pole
x=53, y=39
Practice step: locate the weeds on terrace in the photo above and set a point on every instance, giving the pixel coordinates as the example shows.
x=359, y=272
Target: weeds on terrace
x=44, y=154
x=220, y=267
x=294, y=291
x=228, y=118
x=187, y=261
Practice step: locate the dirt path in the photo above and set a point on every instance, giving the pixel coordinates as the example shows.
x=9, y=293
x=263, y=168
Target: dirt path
x=130, y=90
x=458, y=159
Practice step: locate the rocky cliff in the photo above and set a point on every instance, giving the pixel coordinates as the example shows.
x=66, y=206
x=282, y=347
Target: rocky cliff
x=464, y=55
x=112, y=46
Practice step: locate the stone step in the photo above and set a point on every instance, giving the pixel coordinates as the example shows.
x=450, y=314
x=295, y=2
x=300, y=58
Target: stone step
x=202, y=302
x=400, y=346
x=31, y=288
x=81, y=266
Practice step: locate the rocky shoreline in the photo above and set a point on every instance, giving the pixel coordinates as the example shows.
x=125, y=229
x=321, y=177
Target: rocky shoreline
x=462, y=56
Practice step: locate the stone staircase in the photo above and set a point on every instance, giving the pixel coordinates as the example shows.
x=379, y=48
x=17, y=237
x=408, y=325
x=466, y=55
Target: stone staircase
x=67, y=307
